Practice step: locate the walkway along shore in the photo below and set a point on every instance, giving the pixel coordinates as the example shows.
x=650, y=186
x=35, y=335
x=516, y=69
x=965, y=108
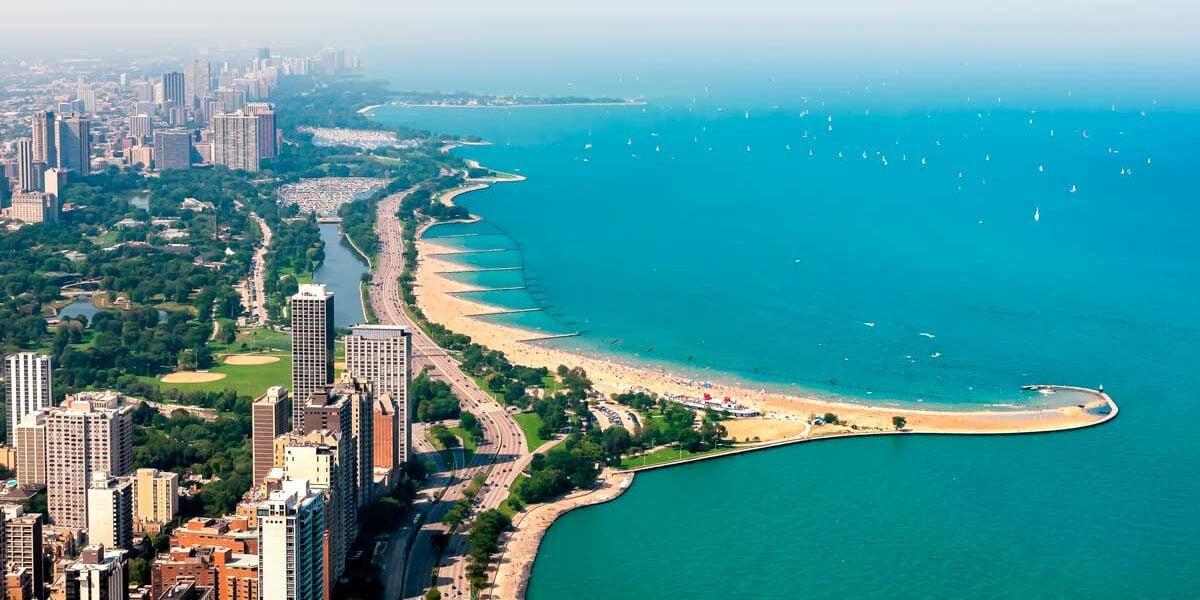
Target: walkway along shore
x=520, y=546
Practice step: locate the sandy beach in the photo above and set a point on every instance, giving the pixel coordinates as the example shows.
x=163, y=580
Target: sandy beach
x=436, y=295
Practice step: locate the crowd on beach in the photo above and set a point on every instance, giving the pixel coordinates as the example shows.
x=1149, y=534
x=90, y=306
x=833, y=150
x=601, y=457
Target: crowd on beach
x=365, y=139
x=325, y=195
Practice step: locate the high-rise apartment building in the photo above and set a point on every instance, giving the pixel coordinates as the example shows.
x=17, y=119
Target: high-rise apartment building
x=99, y=574
x=325, y=459
x=53, y=181
x=231, y=99
x=73, y=140
x=173, y=89
x=156, y=496
x=381, y=355
x=291, y=531
x=28, y=386
x=347, y=409
x=265, y=114
x=29, y=170
x=235, y=141
x=89, y=432
x=197, y=81
x=269, y=419
x=312, y=345
x=172, y=149
x=87, y=99
x=44, y=137
x=140, y=127
x=35, y=207
x=31, y=439
x=110, y=511
x=23, y=545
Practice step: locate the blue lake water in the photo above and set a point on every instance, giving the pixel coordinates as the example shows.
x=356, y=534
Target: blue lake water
x=757, y=243
x=341, y=273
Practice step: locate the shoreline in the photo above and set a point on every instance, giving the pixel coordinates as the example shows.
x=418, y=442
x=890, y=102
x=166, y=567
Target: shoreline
x=439, y=298
x=512, y=577
x=545, y=105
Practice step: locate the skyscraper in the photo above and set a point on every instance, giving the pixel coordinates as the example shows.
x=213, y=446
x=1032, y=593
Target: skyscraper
x=45, y=149
x=381, y=355
x=23, y=545
x=27, y=387
x=325, y=459
x=197, y=81
x=31, y=439
x=29, y=170
x=87, y=98
x=231, y=99
x=73, y=138
x=269, y=420
x=173, y=89
x=99, y=574
x=110, y=511
x=172, y=149
x=235, y=141
x=347, y=409
x=265, y=114
x=291, y=529
x=140, y=126
x=155, y=496
x=312, y=345
x=89, y=432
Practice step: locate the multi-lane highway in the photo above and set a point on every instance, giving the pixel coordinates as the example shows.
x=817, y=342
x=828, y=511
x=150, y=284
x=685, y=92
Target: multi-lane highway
x=500, y=457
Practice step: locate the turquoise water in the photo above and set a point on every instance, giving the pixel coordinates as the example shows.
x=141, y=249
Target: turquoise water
x=341, y=272
x=706, y=238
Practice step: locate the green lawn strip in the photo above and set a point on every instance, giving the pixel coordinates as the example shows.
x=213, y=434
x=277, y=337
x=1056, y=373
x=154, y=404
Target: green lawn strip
x=666, y=455
x=530, y=423
x=469, y=443
x=447, y=454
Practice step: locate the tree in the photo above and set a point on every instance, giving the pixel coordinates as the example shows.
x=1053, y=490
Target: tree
x=899, y=422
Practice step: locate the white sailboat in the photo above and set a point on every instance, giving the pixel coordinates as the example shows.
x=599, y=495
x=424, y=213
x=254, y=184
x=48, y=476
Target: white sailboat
x=1074, y=189
x=1037, y=214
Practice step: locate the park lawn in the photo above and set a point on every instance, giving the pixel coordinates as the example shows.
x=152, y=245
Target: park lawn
x=300, y=278
x=530, y=423
x=551, y=384
x=246, y=380
x=255, y=339
x=510, y=504
x=666, y=455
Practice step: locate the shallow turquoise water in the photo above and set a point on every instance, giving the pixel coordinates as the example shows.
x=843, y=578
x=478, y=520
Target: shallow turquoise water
x=711, y=240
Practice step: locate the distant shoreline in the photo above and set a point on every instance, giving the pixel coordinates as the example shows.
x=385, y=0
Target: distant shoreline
x=538, y=105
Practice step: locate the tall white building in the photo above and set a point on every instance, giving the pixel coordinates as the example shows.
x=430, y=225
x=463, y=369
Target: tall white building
x=291, y=529
x=235, y=141
x=312, y=345
x=89, y=432
x=110, y=511
x=381, y=355
x=325, y=460
x=99, y=574
x=27, y=387
x=29, y=170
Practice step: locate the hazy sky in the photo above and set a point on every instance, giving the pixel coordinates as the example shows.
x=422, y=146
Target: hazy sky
x=976, y=26
x=439, y=38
